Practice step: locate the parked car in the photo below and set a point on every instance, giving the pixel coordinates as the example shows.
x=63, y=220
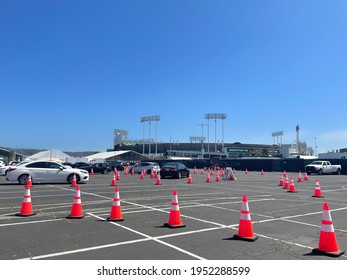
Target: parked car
x=80, y=164
x=116, y=164
x=103, y=168
x=147, y=166
x=45, y=172
x=3, y=169
x=322, y=167
x=174, y=170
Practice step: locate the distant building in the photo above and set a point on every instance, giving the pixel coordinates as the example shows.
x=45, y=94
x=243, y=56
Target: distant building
x=332, y=155
x=288, y=150
x=195, y=150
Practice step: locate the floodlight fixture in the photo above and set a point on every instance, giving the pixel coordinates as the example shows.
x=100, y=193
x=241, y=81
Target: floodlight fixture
x=215, y=116
x=150, y=119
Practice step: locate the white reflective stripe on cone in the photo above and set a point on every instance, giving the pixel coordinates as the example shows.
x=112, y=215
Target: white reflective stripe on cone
x=77, y=201
x=246, y=217
x=175, y=207
x=327, y=228
x=326, y=216
x=244, y=207
x=28, y=199
x=116, y=203
x=174, y=199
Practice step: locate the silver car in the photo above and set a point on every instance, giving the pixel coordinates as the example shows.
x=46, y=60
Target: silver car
x=45, y=172
x=147, y=166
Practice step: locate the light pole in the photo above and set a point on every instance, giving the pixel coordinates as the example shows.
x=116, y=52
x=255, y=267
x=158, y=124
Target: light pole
x=149, y=119
x=202, y=134
x=315, y=145
x=215, y=117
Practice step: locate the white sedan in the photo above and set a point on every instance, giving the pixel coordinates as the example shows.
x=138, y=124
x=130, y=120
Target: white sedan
x=3, y=169
x=45, y=172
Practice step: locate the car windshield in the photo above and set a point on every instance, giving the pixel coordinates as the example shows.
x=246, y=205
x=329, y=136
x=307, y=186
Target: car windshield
x=317, y=163
x=20, y=163
x=169, y=165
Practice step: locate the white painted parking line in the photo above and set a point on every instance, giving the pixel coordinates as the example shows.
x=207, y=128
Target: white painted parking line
x=147, y=238
x=31, y=222
x=86, y=249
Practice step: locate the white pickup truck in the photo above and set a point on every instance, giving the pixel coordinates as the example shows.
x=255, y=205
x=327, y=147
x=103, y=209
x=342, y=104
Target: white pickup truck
x=323, y=167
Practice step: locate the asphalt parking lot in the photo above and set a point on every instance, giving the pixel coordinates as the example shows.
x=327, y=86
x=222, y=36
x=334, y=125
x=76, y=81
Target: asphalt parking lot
x=287, y=224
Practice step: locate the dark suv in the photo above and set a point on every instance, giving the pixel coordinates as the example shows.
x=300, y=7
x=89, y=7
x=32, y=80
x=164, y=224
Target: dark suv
x=103, y=168
x=116, y=164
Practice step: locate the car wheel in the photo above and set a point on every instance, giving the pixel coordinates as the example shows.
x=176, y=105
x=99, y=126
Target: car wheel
x=23, y=179
x=320, y=172
x=105, y=171
x=179, y=175
x=70, y=178
x=338, y=171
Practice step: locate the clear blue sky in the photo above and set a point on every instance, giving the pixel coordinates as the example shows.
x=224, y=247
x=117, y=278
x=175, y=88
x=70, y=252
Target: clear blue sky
x=73, y=71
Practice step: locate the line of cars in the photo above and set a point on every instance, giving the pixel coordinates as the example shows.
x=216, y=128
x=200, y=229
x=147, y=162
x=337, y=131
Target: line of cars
x=54, y=172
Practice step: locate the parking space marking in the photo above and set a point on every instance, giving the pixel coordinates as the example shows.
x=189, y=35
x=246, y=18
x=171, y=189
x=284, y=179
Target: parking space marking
x=86, y=249
x=32, y=222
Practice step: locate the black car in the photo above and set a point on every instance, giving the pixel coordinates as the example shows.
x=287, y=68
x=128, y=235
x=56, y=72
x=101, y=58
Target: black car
x=103, y=168
x=174, y=170
x=116, y=164
x=80, y=165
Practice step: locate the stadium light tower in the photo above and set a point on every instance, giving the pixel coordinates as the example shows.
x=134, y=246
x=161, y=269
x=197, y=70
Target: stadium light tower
x=150, y=119
x=215, y=117
x=277, y=134
x=202, y=134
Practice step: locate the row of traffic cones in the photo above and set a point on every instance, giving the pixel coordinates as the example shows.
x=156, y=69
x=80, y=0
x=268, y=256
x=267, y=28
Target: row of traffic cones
x=327, y=240
x=291, y=187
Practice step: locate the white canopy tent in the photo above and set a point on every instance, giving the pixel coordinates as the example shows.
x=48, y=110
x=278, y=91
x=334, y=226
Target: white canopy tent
x=54, y=155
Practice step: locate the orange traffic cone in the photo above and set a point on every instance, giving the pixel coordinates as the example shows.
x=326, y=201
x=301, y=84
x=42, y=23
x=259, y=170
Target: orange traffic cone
x=262, y=172
x=202, y=172
x=115, y=171
x=118, y=176
x=327, y=240
x=218, y=177
x=245, y=231
x=142, y=176
x=246, y=172
x=152, y=174
x=285, y=174
x=194, y=170
x=26, y=209
x=76, y=210
x=286, y=183
x=306, y=177
x=317, y=190
x=190, y=180
x=208, y=179
x=292, y=186
x=29, y=182
x=92, y=172
x=132, y=172
x=175, y=216
x=74, y=181
x=114, y=182
x=281, y=181
x=158, y=181
x=116, y=211
x=299, y=177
